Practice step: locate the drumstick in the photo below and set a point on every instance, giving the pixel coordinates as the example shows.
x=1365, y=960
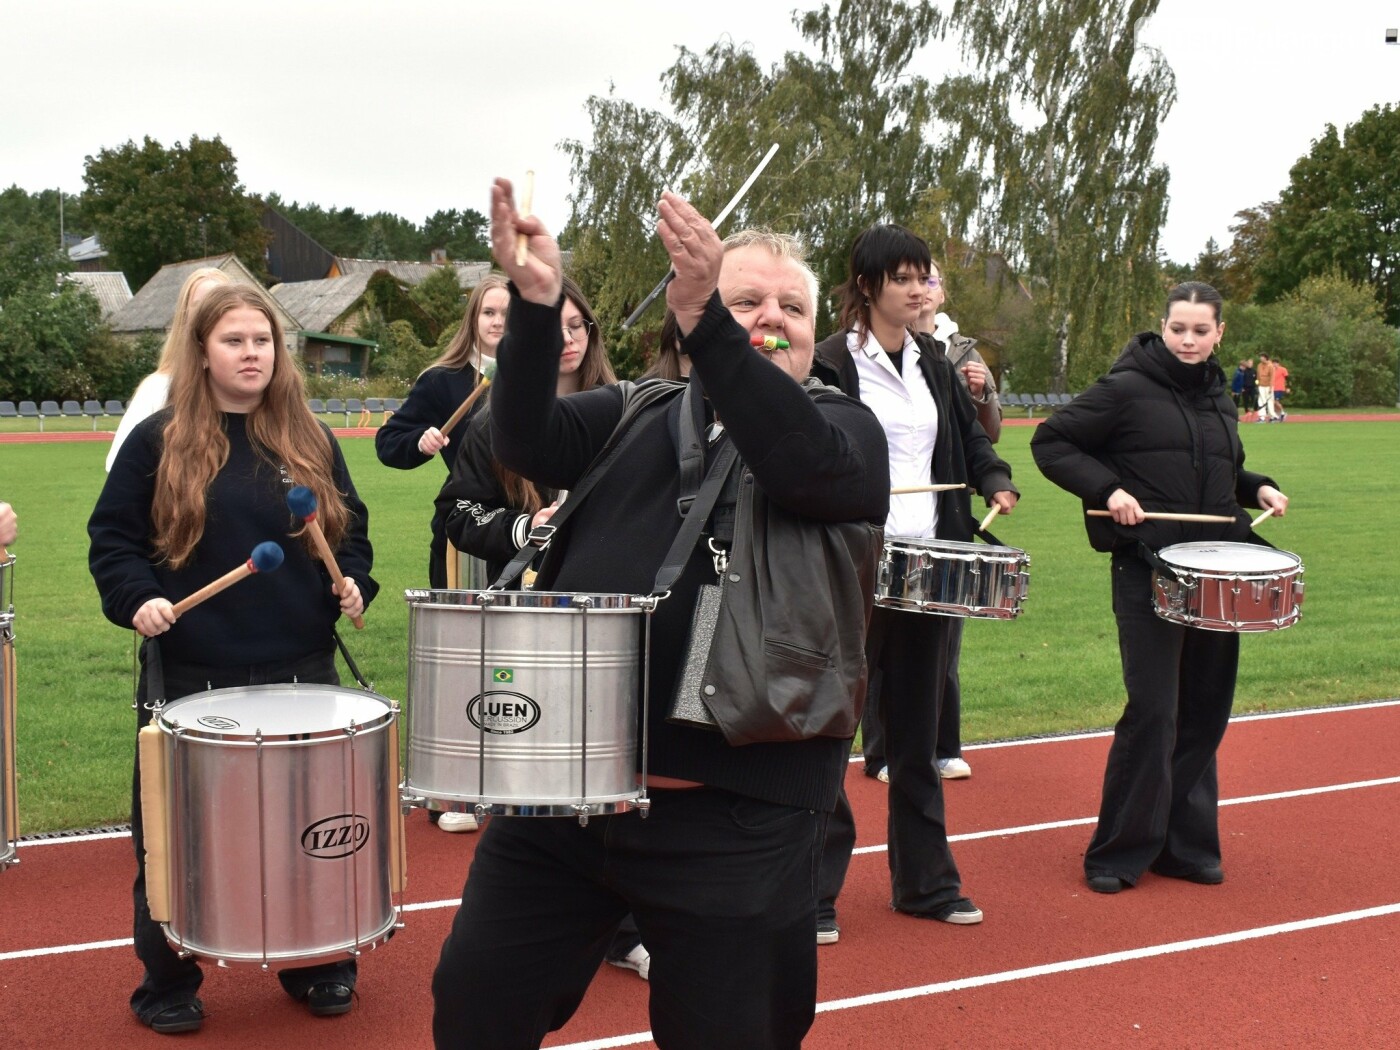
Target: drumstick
x=266, y=557
x=522, y=242
x=1253, y=524
x=488, y=373
x=1157, y=515
x=988, y=519
x=906, y=489
x=302, y=502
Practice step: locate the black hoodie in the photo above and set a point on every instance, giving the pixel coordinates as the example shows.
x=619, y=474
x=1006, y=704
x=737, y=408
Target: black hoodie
x=1164, y=431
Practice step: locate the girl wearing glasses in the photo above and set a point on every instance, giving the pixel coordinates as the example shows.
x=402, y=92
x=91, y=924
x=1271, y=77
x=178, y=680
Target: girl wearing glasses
x=488, y=510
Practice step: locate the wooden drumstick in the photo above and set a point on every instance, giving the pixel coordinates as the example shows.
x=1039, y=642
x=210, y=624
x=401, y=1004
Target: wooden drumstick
x=1158, y=515
x=1253, y=524
x=488, y=373
x=522, y=242
x=988, y=519
x=906, y=489
x=302, y=502
x=266, y=557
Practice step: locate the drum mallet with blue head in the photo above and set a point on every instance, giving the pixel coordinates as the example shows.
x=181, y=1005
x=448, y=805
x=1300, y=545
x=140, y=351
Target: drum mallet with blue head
x=266, y=557
x=302, y=502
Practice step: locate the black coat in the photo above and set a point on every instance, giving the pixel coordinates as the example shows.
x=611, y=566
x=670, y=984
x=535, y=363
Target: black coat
x=1165, y=432
x=962, y=452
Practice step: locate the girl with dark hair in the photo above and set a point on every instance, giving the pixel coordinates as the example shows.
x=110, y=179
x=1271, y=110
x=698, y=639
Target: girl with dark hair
x=1160, y=433
x=196, y=487
x=411, y=436
x=934, y=438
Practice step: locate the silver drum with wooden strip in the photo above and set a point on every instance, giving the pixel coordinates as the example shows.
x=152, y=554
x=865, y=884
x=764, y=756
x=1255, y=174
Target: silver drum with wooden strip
x=1233, y=587
x=525, y=703
x=952, y=578
x=281, y=823
x=9, y=804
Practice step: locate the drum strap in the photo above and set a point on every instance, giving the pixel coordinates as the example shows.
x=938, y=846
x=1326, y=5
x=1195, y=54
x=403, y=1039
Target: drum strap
x=349, y=661
x=155, y=672
x=1160, y=567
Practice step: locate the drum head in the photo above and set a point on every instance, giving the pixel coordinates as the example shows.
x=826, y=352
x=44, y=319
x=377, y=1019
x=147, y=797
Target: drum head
x=277, y=712
x=1228, y=558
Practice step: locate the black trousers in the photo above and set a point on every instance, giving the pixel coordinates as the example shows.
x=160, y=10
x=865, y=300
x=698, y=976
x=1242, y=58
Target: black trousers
x=1160, y=793
x=949, y=742
x=170, y=980
x=908, y=656
x=722, y=888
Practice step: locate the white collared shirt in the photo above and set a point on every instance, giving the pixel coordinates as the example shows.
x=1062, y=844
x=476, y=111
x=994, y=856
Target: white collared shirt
x=905, y=407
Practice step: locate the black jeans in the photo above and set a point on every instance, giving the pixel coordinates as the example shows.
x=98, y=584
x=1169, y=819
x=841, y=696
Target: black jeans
x=170, y=980
x=1159, y=792
x=908, y=657
x=722, y=888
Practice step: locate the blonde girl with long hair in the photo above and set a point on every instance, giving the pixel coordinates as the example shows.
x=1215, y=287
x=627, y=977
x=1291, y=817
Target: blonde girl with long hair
x=151, y=392
x=198, y=486
x=412, y=436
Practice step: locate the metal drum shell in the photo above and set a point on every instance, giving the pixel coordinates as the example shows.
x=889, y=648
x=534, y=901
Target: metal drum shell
x=952, y=578
x=9, y=782
x=279, y=841
x=539, y=750
x=1237, y=588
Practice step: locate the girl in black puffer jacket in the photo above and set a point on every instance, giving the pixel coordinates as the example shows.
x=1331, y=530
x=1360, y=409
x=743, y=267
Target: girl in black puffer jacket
x=1159, y=433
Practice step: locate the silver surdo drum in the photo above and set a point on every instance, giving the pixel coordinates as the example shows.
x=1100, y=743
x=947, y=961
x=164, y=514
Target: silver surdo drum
x=952, y=578
x=525, y=703
x=9, y=806
x=1234, y=587
x=281, y=825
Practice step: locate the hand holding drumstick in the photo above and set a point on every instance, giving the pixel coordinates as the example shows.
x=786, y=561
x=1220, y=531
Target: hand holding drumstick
x=302, y=502
x=157, y=615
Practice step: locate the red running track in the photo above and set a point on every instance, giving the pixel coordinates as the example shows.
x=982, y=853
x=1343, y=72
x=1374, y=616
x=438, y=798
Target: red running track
x=1298, y=948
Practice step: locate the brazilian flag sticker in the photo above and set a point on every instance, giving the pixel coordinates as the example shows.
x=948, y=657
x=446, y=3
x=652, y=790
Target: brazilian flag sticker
x=502, y=674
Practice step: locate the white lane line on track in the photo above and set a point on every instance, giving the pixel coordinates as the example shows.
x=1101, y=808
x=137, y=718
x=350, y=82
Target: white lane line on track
x=1047, y=969
x=1023, y=829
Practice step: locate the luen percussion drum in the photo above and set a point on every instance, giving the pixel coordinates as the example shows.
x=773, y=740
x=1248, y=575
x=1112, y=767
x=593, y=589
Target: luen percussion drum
x=276, y=812
x=525, y=703
x=952, y=578
x=9, y=805
x=1236, y=587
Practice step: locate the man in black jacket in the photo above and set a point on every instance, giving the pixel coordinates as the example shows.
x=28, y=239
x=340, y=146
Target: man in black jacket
x=719, y=876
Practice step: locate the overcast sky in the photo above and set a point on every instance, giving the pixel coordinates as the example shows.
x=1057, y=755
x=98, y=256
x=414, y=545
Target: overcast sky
x=413, y=106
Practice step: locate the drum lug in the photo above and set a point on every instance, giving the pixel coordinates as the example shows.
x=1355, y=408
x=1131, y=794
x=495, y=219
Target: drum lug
x=583, y=811
x=642, y=806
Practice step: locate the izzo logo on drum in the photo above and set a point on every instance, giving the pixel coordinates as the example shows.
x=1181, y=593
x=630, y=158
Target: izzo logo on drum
x=217, y=722
x=503, y=712
x=335, y=837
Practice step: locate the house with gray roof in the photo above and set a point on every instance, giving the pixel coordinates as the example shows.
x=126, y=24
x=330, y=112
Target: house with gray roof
x=108, y=287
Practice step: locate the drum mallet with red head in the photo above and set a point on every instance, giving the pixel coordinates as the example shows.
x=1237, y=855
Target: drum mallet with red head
x=266, y=557
x=302, y=502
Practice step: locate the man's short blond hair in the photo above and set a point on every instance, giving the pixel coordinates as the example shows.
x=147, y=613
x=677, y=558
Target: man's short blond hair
x=784, y=246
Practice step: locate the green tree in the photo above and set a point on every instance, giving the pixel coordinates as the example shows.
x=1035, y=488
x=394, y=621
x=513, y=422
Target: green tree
x=1340, y=211
x=1251, y=231
x=1210, y=267
x=1048, y=155
x=40, y=213
x=440, y=296
x=461, y=233
x=153, y=206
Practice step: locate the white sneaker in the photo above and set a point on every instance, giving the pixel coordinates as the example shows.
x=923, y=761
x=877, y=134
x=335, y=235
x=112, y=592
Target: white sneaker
x=953, y=769
x=884, y=775
x=638, y=959
x=458, y=822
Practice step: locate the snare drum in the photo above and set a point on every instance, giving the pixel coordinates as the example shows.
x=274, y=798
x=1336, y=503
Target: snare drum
x=524, y=703
x=952, y=578
x=9, y=806
x=1234, y=587
x=278, y=820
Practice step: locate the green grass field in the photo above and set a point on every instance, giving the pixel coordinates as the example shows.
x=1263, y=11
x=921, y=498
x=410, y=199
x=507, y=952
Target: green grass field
x=1054, y=669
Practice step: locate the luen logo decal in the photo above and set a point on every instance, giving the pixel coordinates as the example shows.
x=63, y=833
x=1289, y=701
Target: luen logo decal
x=503, y=712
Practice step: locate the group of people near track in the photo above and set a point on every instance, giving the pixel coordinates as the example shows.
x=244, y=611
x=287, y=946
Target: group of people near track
x=791, y=445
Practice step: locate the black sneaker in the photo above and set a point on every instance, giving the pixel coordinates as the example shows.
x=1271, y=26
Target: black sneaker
x=182, y=1017
x=1106, y=883
x=329, y=999
x=828, y=932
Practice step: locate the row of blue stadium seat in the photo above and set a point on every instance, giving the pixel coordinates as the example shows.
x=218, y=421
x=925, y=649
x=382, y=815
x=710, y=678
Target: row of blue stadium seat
x=1030, y=402
x=95, y=410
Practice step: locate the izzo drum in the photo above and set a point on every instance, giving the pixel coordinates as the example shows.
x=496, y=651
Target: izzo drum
x=1235, y=587
x=525, y=703
x=279, y=821
x=952, y=578
x=9, y=806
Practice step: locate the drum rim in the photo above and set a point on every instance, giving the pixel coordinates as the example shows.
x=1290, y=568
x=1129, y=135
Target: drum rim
x=534, y=601
x=247, y=738
x=1289, y=560
x=924, y=543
